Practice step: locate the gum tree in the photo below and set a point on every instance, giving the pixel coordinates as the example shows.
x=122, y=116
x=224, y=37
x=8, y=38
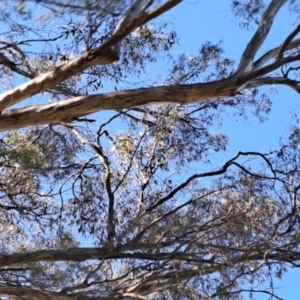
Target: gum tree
x=115, y=205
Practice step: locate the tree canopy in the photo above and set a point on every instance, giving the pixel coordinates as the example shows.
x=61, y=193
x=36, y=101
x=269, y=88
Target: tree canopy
x=107, y=186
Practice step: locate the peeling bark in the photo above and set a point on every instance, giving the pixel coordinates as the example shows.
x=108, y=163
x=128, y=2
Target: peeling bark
x=66, y=111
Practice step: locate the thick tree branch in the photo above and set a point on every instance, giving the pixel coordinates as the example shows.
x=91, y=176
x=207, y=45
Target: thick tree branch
x=169, y=4
x=259, y=37
x=272, y=54
x=138, y=7
x=287, y=42
x=12, y=66
x=267, y=69
x=30, y=293
x=204, y=266
x=104, y=54
x=69, y=110
x=66, y=111
x=295, y=85
x=22, y=292
x=100, y=55
x=72, y=254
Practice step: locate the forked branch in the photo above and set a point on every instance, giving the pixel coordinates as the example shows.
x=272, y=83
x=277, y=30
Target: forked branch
x=246, y=63
x=104, y=54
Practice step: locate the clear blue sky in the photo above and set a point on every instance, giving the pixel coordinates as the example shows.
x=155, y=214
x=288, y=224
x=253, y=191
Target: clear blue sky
x=197, y=21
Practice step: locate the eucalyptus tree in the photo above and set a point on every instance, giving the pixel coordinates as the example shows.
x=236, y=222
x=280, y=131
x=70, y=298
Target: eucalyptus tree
x=115, y=205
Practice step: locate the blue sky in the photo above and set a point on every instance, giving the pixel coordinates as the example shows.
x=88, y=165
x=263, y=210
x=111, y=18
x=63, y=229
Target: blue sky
x=197, y=21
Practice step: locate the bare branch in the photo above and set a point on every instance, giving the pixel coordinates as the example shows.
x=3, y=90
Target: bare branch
x=58, y=75
x=169, y=4
x=287, y=42
x=66, y=111
x=12, y=66
x=246, y=63
x=245, y=79
x=135, y=296
x=105, y=161
x=138, y=7
x=272, y=54
x=104, y=54
x=31, y=293
x=71, y=254
x=295, y=85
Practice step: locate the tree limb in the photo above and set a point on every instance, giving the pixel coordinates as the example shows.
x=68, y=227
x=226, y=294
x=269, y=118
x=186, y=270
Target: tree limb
x=287, y=42
x=30, y=293
x=104, y=54
x=259, y=37
x=273, y=53
x=66, y=111
x=295, y=85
